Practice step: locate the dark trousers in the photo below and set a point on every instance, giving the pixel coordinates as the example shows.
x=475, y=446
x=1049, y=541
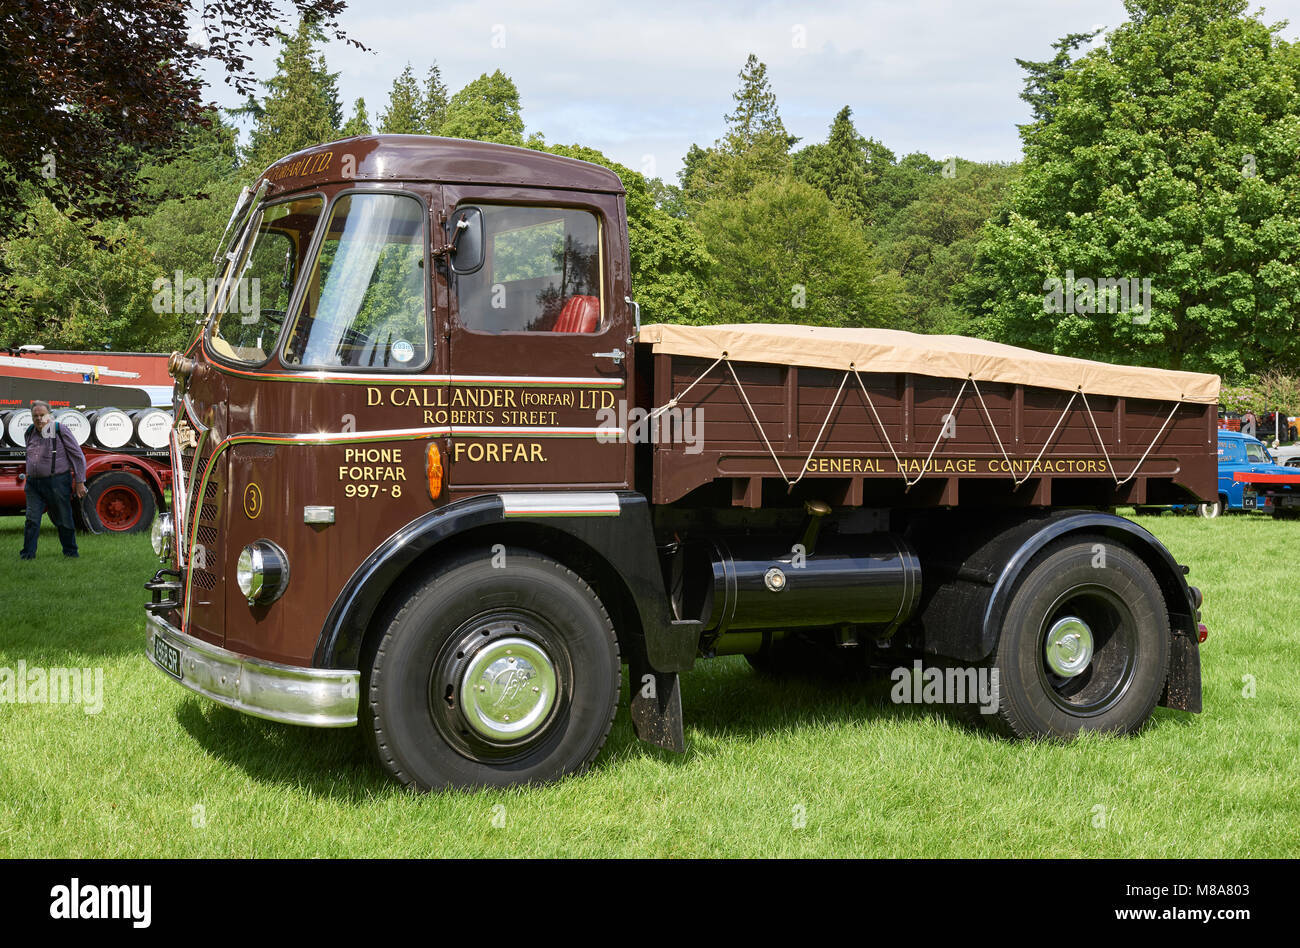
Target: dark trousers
x=53, y=494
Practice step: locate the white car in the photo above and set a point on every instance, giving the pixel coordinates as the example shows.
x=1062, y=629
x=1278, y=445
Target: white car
x=1290, y=455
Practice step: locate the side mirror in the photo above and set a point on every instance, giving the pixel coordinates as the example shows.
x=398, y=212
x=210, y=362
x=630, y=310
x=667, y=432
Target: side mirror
x=465, y=240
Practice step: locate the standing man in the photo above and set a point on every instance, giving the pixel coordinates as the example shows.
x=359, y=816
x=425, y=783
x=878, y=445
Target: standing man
x=56, y=469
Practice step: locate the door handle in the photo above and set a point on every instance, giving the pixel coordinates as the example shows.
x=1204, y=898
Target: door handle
x=617, y=355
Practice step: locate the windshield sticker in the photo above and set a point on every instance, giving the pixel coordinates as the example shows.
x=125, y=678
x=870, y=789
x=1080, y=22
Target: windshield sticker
x=403, y=351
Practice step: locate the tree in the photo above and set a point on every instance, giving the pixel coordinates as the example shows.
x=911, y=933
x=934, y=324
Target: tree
x=670, y=266
x=486, y=110
x=899, y=182
x=1043, y=76
x=433, y=111
x=359, y=124
x=189, y=192
x=785, y=254
x=405, y=113
x=82, y=81
x=754, y=148
x=301, y=108
x=1172, y=155
x=839, y=168
x=76, y=284
x=930, y=243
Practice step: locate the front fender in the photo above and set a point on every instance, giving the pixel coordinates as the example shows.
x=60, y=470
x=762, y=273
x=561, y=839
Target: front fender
x=349, y=617
x=620, y=538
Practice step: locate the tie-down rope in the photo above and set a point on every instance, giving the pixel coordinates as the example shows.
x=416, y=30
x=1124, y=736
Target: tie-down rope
x=1109, y=463
x=912, y=481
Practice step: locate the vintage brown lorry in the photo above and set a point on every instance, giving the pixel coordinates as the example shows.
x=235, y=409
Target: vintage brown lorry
x=442, y=484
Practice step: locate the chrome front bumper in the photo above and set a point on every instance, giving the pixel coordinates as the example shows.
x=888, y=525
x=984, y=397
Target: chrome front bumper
x=315, y=697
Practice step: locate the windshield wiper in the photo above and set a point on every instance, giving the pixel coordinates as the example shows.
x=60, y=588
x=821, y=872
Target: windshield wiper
x=248, y=199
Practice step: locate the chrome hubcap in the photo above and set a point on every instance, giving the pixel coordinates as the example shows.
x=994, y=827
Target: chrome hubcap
x=508, y=689
x=1068, y=649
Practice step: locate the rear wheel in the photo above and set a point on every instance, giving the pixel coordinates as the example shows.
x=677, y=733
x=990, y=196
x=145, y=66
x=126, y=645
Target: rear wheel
x=488, y=676
x=118, y=502
x=1084, y=646
x=1210, y=511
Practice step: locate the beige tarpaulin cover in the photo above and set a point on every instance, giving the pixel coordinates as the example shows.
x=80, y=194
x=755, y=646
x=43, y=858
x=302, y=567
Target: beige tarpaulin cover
x=892, y=350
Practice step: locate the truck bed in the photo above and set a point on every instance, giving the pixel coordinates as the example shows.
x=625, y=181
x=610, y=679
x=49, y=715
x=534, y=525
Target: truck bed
x=1058, y=446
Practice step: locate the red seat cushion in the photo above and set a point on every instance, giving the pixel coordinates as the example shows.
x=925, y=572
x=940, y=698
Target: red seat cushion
x=580, y=314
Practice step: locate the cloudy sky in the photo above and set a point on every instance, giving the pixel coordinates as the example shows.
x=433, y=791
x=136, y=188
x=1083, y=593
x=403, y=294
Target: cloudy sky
x=642, y=82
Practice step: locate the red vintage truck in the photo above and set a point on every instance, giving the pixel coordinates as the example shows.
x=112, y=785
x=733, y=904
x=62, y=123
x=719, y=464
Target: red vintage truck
x=442, y=485
x=127, y=467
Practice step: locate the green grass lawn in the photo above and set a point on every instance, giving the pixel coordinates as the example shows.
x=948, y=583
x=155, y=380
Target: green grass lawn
x=772, y=769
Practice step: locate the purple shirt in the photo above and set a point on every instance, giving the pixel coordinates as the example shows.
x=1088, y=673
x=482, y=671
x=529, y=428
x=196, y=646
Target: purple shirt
x=57, y=455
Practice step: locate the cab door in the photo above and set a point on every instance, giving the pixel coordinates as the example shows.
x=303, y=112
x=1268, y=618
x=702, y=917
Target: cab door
x=539, y=341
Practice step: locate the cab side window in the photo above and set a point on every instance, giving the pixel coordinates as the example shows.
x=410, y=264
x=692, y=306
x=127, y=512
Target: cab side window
x=1255, y=453
x=541, y=272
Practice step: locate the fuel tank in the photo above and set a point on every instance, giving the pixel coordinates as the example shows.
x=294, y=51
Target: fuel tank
x=741, y=585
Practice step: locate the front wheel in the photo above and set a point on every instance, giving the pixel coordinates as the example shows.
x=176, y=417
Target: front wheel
x=1210, y=511
x=492, y=675
x=1084, y=646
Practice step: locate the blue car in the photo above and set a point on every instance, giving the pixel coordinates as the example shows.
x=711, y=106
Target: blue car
x=1249, y=479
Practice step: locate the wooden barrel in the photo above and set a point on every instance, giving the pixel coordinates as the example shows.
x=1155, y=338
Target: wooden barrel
x=113, y=428
x=74, y=421
x=153, y=427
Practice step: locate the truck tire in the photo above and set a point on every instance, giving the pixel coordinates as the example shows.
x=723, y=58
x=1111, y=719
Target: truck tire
x=1083, y=647
x=117, y=502
x=1210, y=511
x=471, y=646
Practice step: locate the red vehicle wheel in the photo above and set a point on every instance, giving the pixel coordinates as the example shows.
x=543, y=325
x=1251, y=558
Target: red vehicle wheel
x=119, y=502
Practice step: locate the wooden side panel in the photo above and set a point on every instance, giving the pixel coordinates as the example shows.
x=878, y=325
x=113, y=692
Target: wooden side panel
x=987, y=443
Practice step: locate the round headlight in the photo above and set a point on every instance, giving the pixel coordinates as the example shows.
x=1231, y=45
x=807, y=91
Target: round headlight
x=161, y=534
x=262, y=572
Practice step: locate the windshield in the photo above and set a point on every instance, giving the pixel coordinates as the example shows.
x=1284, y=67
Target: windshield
x=365, y=304
x=255, y=291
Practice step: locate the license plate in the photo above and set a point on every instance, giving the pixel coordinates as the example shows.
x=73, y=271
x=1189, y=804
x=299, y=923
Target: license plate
x=1248, y=501
x=167, y=656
